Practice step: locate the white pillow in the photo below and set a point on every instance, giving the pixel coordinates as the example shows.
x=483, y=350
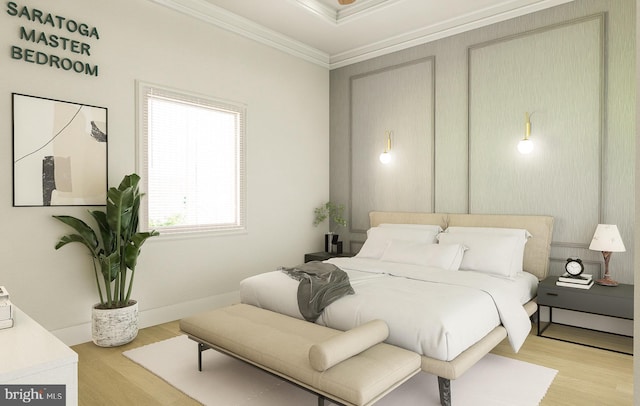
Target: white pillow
x=427, y=227
x=489, y=253
x=520, y=233
x=444, y=256
x=378, y=238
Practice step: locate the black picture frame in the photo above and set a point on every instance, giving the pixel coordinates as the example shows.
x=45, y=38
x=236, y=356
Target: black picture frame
x=59, y=152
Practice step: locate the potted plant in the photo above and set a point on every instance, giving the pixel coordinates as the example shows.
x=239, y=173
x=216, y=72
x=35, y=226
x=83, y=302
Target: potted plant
x=114, y=249
x=334, y=212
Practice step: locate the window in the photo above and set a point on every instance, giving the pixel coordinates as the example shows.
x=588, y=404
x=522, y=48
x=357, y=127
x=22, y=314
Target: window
x=191, y=162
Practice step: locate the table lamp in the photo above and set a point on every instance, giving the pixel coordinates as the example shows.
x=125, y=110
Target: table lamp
x=607, y=240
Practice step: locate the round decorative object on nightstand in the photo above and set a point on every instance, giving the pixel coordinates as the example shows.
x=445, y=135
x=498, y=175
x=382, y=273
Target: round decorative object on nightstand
x=574, y=267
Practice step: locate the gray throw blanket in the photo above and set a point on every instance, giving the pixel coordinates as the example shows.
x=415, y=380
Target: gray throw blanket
x=320, y=285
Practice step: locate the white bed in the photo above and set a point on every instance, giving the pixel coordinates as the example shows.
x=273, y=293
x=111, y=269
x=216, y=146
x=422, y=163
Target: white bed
x=392, y=291
x=451, y=317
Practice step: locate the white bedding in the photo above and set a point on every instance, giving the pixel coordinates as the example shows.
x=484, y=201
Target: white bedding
x=434, y=312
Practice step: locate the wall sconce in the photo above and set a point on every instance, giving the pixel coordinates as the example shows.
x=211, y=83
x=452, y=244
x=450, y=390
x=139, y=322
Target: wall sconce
x=525, y=145
x=385, y=157
x=606, y=239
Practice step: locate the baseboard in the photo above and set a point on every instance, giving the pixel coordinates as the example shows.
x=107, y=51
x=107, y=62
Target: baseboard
x=82, y=333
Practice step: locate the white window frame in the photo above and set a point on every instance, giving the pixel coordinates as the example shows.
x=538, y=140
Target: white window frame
x=146, y=90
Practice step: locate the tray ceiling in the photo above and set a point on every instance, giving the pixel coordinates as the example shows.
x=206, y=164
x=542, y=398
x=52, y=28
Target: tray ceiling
x=333, y=35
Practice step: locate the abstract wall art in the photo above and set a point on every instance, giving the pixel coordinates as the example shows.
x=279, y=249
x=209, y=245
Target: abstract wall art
x=59, y=153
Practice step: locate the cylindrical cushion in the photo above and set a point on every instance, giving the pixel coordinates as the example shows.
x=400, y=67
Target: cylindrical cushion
x=336, y=349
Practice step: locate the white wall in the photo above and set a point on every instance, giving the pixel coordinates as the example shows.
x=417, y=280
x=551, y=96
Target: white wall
x=287, y=158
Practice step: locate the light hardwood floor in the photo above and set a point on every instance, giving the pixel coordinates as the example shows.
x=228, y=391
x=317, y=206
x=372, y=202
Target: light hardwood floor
x=586, y=376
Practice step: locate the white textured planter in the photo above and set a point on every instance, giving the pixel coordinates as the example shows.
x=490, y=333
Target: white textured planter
x=114, y=327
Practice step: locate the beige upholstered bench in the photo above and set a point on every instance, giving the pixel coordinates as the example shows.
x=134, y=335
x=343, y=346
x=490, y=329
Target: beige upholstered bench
x=351, y=368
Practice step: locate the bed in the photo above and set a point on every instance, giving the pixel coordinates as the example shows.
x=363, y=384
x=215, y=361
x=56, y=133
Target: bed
x=451, y=302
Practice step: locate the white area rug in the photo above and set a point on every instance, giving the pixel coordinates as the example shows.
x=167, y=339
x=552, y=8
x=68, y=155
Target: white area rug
x=224, y=381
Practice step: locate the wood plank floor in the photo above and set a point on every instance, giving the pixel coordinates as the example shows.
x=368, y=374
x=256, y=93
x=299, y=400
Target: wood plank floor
x=586, y=376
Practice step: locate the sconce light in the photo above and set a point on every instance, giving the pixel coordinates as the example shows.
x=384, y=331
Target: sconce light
x=385, y=157
x=606, y=239
x=525, y=145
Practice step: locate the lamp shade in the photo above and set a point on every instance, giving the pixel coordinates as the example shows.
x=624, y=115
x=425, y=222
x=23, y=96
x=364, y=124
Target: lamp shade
x=607, y=239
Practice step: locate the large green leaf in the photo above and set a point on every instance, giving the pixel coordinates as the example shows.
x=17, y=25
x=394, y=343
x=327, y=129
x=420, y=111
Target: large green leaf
x=107, y=235
x=132, y=250
x=110, y=265
x=129, y=181
x=85, y=235
x=73, y=238
x=131, y=253
x=120, y=209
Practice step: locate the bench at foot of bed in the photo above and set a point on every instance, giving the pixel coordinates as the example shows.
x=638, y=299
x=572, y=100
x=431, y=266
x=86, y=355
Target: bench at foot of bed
x=353, y=368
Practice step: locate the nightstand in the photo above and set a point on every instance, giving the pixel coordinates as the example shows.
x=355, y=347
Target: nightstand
x=323, y=256
x=602, y=300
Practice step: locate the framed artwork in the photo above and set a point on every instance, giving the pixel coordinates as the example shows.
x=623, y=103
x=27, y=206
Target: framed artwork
x=59, y=153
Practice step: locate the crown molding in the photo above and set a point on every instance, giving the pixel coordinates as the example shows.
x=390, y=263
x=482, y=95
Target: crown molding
x=437, y=31
x=224, y=19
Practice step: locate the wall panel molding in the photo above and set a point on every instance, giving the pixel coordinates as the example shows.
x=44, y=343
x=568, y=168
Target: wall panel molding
x=556, y=73
x=401, y=99
x=584, y=131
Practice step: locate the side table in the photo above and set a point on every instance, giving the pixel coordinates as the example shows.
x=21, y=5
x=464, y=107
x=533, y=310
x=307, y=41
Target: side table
x=602, y=300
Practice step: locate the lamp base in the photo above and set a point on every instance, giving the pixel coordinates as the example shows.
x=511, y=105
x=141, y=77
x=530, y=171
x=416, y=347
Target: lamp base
x=606, y=281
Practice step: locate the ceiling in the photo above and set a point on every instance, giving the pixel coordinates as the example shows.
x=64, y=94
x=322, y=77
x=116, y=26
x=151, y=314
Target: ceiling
x=331, y=35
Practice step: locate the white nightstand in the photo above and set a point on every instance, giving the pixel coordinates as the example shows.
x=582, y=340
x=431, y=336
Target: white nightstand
x=31, y=355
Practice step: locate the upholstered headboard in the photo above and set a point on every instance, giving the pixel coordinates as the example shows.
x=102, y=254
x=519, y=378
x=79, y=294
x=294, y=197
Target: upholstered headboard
x=536, y=251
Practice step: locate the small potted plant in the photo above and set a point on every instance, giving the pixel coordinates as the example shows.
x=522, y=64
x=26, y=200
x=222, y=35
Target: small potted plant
x=114, y=256
x=335, y=214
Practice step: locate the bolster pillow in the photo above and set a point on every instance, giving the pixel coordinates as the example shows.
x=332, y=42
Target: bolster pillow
x=336, y=349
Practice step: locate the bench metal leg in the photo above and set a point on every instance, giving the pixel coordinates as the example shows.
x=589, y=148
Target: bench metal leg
x=201, y=347
x=444, y=385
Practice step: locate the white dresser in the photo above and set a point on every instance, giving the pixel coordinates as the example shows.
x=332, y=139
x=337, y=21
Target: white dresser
x=32, y=355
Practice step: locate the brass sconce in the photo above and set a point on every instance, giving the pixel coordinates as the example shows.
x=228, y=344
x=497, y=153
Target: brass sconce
x=385, y=157
x=525, y=145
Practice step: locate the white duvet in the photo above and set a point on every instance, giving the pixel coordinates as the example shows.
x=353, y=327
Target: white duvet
x=433, y=312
